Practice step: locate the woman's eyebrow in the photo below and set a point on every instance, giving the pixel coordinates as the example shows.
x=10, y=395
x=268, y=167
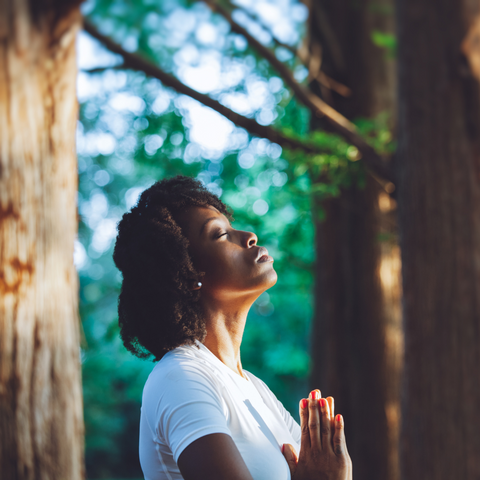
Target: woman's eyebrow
x=207, y=221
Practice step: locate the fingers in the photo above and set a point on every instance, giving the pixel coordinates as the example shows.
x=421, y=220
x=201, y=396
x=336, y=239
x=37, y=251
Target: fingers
x=326, y=425
x=317, y=421
x=331, y=405
x=291, y=457
x=339, y=442
x=314, y=420
x=305, y=440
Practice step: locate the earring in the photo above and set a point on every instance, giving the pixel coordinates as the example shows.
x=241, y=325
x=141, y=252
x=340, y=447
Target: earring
x=199, y=284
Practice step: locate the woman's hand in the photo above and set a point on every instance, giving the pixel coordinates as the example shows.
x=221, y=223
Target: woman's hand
x=323, y=452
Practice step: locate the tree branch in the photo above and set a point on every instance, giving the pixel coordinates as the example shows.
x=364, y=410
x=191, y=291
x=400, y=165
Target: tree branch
x=104, y=69
x=332, y=84
x=276, y=41
x=136, y=62
x=318, y=75
x=337, y=121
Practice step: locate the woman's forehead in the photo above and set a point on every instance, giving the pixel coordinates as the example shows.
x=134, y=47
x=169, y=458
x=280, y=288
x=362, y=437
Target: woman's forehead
x=193, y=219
x=197, y=213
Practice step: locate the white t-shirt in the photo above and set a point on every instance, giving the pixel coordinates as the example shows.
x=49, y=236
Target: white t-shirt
x=191, y=393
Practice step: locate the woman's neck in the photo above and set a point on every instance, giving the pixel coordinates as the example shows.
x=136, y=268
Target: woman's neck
x=224, y=335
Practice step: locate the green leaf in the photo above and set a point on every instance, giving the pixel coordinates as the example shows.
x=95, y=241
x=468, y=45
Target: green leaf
x=385, y=40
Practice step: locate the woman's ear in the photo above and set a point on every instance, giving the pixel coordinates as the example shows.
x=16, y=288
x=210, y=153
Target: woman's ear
x=196, y=286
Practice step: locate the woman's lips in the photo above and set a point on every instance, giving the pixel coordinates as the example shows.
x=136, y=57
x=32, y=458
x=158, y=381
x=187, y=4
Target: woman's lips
x=265, y=258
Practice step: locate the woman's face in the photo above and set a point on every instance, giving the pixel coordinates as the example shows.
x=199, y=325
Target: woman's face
x=233, y=263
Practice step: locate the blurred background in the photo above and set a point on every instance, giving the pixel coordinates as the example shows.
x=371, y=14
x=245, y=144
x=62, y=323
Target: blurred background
x=313, y=120
x=327, y=217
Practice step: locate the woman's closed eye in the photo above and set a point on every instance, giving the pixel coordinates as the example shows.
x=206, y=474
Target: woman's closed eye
x=221, y=234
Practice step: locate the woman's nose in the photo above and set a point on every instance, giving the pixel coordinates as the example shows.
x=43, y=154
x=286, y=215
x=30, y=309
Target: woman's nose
x=250, y=239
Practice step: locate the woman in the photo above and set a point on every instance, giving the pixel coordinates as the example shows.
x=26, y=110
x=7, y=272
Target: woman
x=189, y=280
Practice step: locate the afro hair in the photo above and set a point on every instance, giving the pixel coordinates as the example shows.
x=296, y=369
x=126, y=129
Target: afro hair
x=157, y=309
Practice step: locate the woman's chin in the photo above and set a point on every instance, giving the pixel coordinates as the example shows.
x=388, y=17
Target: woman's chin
x=272, y=278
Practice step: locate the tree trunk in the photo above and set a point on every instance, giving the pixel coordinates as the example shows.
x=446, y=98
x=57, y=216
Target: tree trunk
x=349, y=345
x=439, y=200
x=357, y=341
x=41, y=426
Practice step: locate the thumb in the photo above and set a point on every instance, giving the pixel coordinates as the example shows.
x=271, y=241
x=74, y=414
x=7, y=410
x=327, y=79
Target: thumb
x=290, y=456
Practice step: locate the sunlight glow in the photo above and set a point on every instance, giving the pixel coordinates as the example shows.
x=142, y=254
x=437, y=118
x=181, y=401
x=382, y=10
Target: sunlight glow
x=260, y=207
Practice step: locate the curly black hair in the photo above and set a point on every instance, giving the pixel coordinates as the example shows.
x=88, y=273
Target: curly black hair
x=157, y=310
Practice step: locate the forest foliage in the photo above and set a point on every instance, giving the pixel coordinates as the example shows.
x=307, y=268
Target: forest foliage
x=133, y=131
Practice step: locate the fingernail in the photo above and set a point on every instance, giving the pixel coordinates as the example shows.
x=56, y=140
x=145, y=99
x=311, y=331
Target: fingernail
x=314, y=395
x=323, y=402
x=304, y=403
x=338, y=418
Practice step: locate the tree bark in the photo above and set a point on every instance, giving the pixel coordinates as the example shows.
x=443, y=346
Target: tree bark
x=357, y=341
x=41, y=426
x=439, y=200
x=349, y=344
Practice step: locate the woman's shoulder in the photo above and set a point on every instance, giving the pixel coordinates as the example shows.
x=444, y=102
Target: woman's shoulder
x=183, y=364
x=177, y=360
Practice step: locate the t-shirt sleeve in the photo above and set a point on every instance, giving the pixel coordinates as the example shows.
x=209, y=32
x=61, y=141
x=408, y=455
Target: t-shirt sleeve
x=190, y=407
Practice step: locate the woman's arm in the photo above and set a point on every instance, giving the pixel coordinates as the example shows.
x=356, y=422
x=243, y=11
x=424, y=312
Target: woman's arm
x=213, y=457
x=323, y=452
